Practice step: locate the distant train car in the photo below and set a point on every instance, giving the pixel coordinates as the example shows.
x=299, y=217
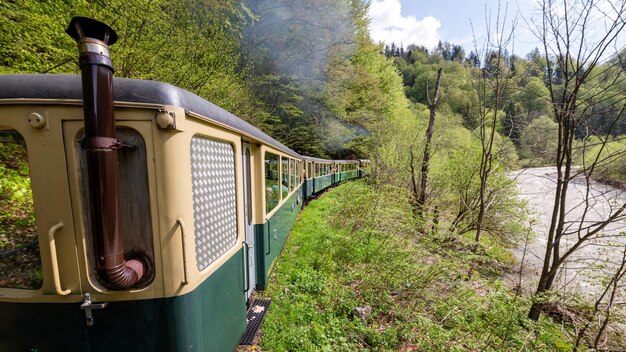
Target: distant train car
x=364, y=167
x=346, y=170
x=319, y=175
x=157, y=213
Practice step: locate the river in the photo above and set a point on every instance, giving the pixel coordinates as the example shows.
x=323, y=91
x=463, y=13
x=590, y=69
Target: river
x=581, y=274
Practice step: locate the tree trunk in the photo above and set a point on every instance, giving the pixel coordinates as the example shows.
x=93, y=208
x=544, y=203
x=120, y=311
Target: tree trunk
x=432, y=106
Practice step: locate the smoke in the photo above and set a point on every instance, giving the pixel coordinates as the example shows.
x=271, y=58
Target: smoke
x=298, y=38
x=304, y=42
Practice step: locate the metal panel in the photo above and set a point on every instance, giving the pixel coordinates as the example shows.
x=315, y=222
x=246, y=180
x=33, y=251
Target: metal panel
x=214, y=198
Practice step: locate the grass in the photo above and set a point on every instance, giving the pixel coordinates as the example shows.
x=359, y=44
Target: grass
x=356, y=247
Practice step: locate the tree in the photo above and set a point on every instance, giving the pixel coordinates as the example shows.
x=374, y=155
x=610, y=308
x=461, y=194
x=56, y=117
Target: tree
x=420, y=194
x=492, y=84
x=539, y=141
x=577, y=36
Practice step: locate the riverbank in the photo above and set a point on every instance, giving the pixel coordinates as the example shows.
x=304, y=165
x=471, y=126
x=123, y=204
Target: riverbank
x=586, y=204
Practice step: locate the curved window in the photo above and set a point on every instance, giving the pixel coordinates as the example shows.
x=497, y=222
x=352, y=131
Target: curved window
x=248, y=185
x=272, y=192
x=135, y=213
x=20, y=262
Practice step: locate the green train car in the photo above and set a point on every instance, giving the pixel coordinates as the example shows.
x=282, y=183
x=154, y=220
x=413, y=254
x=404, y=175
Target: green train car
x=154, y=215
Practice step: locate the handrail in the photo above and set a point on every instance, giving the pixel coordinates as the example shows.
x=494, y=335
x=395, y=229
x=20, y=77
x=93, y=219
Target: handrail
x=55, y=262
x=181, y=224
x=269, y=240
x=246, y=254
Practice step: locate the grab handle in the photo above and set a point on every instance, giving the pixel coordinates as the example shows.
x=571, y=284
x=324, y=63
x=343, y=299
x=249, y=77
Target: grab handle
x=269, y=240
x=181, y=224
x=246, y=264
x=55, y=262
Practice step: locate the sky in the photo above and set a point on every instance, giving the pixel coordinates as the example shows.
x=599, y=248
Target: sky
x=425, y=22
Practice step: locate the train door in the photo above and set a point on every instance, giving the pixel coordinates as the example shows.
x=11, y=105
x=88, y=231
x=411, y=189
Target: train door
x=248, y=211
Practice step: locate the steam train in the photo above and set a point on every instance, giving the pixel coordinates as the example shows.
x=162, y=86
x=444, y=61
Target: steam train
x=157, y=213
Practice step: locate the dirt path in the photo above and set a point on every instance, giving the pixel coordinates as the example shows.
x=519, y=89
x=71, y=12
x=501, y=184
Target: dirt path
x=581, y=273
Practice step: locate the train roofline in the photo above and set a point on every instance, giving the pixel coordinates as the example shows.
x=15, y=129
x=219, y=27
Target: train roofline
x=317, y=160
x=69, y=87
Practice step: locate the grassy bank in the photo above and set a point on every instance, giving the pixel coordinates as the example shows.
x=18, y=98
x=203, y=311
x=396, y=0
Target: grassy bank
x=356, y=275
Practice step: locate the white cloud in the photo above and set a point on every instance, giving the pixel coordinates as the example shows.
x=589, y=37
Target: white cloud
x=388, y=25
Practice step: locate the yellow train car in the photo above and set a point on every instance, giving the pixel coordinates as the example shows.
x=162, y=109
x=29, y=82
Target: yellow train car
x=154, y=213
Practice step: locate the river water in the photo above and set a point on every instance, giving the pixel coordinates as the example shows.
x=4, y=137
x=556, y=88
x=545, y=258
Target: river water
x=585, y=207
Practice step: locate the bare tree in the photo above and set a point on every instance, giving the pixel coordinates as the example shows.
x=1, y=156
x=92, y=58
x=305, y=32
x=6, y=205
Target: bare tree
x=577, y=36
x=420, y=193
x=492, y=84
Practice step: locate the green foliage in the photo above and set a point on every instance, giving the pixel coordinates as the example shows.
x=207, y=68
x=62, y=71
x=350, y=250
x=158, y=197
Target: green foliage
x=540, y=141
x=22, y=268
x=608, y=155
x=456, y=184
x=192, y=44
x=357, y=247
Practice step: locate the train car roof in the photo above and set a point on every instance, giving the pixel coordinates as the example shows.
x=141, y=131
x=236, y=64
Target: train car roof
x=346, y=161
x=317, y=160
x=53, y=86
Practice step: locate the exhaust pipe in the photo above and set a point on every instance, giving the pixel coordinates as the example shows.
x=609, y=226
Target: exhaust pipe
x=93, y=39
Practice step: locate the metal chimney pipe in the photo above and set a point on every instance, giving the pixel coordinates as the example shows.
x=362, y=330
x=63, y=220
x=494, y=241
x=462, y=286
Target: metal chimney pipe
x=93, y=39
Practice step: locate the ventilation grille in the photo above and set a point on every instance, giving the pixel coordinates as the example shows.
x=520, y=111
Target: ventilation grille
x=214, y=198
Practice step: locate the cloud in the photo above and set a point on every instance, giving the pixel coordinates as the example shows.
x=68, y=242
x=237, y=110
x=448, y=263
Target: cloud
x=388, y=25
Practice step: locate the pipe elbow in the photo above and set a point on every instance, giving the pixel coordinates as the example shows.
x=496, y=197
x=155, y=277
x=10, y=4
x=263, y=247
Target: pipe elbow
x=125, y=275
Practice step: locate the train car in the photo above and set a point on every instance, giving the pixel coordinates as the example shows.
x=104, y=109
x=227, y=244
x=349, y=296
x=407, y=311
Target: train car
x=346, y=170
x=156, y=214
x=280, y=203
x=364, y=167
x=320, y=176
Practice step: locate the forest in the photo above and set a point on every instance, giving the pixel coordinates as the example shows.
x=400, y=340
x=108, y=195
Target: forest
x=444, y=127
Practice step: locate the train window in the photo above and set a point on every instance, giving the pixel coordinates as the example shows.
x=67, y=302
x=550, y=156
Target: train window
x=308, y=170
x=317, y=170
x=272, y=194
x=292, y=174
x=248, y=185
x=136, y=217
x=20, y=262
x=284, y=166
x=214, y=198
x=298, y=172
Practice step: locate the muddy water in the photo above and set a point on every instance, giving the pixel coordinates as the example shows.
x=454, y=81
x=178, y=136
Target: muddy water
x=585, y=207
